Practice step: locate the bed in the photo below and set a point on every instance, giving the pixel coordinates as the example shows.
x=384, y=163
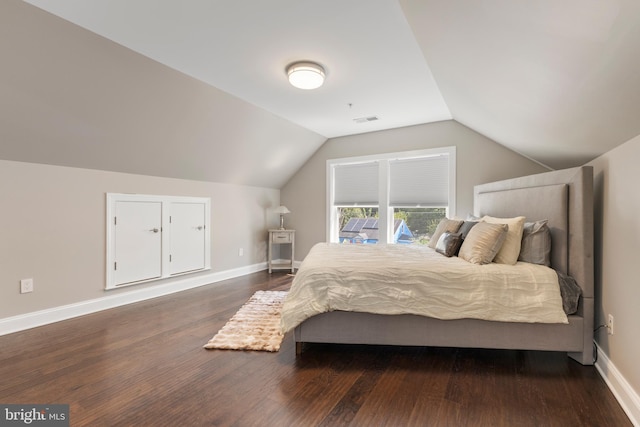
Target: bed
x=565, y=199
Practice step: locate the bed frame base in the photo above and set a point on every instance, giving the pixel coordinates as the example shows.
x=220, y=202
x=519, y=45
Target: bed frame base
x=340, y=327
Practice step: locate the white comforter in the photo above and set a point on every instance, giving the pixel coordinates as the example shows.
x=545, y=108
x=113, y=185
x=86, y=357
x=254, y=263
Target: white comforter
x=397, y=279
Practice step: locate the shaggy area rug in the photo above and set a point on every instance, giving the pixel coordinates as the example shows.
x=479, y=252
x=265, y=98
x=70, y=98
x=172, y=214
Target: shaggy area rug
x=256, y=326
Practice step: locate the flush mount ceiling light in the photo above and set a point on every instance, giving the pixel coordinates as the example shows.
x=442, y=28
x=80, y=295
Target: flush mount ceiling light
x=306, y=75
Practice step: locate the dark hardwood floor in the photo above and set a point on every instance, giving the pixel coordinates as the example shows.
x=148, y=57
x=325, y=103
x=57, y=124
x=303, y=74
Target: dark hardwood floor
x=144, y=365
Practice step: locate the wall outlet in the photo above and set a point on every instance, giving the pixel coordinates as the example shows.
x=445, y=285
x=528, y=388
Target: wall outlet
x=240, y=252
x=26, y=286
x=610, y=324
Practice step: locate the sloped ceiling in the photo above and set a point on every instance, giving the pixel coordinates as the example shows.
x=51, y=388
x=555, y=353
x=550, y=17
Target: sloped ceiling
x=555, y=81
x=558, y=81
x=69, y=97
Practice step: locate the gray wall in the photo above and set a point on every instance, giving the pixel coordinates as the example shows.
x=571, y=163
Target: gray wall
x=479, y=160
x=52, y=224
x=82, y=102
x=617, y=246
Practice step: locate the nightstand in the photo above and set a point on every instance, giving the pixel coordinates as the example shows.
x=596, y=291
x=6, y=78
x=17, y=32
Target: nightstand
x=281, y=237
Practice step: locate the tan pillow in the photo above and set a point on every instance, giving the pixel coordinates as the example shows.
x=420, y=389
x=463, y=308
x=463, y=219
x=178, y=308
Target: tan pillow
x=510, y=250
x=450, y=225
x=483, y=242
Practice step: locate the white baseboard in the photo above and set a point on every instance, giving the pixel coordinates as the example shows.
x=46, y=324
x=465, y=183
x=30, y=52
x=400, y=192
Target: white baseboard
x=623, y=392
x=51, y=315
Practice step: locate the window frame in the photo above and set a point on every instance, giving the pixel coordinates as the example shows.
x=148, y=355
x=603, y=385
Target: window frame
x=385, y=210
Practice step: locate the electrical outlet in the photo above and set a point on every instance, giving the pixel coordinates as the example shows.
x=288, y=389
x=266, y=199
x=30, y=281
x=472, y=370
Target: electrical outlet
x=26, y=286
x=610, y=324
x=240, y=252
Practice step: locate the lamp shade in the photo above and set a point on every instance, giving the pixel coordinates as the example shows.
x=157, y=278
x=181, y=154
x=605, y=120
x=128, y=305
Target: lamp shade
x=306, y=75
x=282, y=210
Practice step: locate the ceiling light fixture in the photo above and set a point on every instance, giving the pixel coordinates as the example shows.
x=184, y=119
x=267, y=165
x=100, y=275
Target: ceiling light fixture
x=306, y=75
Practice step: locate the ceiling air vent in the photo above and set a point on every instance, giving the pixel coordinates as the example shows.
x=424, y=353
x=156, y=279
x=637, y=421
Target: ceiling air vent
x=366, y=119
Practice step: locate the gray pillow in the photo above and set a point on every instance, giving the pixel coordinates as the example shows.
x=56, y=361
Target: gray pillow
x=466, y=227
x=449, y=243
x=536, y=243
x=483, y=242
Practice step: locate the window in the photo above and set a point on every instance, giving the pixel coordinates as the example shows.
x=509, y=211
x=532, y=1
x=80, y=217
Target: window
x=420, y=222
x=390, y=198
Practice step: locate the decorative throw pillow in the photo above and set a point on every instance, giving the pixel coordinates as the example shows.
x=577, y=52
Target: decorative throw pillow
x=450, y=225
x=536, y=243
x=570, y=292
x=483, y=242
x=466, y=227
x=510, y=250
x=449, y=243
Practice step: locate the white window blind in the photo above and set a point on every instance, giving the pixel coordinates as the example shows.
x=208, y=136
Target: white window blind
x=422, y=181
x=356, y=183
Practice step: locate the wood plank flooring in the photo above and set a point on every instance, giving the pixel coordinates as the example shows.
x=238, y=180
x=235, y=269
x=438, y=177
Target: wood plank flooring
x=144, y=365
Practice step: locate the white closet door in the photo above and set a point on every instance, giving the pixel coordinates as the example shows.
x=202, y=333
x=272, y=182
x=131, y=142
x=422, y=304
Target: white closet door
x=188, y=237
x=138, y=241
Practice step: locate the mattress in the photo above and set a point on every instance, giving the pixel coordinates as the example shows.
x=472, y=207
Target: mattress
x=414, y=279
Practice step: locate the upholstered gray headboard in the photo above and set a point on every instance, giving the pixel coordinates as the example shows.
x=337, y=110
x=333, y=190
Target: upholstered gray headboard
x=565, y=198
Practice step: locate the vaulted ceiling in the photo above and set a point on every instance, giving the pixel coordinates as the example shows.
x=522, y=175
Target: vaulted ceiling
x=556, y=81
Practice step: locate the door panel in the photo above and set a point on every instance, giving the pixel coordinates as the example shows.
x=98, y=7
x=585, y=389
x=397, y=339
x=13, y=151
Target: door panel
x=138, y=241
x=187, y=237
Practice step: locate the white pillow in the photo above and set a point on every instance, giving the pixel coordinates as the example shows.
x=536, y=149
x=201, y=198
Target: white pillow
x=510, y=250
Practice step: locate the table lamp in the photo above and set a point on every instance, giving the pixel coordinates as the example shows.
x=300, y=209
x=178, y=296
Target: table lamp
x=282, y=210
